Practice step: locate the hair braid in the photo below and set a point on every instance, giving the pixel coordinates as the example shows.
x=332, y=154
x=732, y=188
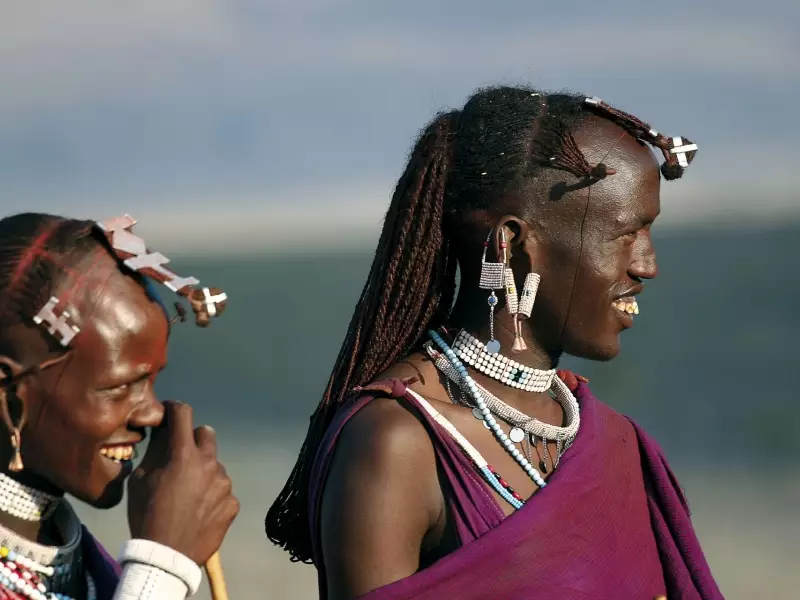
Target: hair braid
x=412, y=274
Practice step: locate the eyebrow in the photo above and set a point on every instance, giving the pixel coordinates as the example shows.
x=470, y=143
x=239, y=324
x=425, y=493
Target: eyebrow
x=143, y=373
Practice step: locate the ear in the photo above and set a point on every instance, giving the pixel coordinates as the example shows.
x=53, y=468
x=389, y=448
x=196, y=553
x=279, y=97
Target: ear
x=517, y=235
x=13, y=393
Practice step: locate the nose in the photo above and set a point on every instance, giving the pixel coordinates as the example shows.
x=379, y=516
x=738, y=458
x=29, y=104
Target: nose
x=643, y=264
x=148, y=413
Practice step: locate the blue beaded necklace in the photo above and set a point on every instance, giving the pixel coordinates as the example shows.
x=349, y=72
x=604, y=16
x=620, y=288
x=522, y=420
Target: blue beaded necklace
x=491, y=424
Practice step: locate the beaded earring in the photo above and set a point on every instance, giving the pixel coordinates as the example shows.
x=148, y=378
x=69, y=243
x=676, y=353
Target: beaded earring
x=15, y=464
x=512, y=304
x=527, y=298
x=492, y=278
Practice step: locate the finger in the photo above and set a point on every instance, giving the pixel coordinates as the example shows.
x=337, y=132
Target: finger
x=157, y=447
x=206, y=439
x=180, y=426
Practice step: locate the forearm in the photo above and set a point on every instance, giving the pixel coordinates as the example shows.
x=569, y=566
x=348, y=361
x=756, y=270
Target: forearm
x=155, y=572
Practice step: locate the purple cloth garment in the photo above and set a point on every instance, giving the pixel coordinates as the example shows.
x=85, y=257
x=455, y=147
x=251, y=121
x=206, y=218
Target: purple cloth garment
x=612, y=523
x=104, y=570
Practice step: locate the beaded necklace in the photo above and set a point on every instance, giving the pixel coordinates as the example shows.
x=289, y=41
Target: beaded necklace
x=29, y=570
x=474, y=352
x=22, y=577
x=24, y=502
x=523, y=427
x=491, y=476
x=487, y=416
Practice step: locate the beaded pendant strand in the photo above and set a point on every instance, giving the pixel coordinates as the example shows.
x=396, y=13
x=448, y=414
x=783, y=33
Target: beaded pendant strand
x=488, y=419
x=22, y=577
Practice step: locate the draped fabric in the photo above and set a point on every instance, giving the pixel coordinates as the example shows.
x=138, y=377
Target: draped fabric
x=612, y=522
x=104, y=570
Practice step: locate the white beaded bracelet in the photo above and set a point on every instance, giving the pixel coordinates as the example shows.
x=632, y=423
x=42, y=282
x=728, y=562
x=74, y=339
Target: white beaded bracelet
x=163, y=557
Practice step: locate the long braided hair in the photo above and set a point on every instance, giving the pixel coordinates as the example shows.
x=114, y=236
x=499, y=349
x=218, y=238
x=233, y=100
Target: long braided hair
x=463, y=160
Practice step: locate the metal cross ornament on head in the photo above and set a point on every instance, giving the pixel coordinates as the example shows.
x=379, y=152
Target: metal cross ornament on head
x=680, y=149
x=139, y=258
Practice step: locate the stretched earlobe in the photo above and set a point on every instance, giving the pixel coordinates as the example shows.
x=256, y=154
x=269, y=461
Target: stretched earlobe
x=13, y=408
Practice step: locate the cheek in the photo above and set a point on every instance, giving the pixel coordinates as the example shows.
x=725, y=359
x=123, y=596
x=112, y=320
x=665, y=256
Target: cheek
x=69, y=431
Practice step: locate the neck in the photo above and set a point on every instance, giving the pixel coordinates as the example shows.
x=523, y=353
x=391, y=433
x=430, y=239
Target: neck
x=476, y=322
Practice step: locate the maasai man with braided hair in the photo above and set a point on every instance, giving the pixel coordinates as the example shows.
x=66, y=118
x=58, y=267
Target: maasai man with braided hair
x=448, y=458
x=82, y=340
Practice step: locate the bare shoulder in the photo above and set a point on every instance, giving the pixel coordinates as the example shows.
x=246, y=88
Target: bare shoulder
x=386, y=437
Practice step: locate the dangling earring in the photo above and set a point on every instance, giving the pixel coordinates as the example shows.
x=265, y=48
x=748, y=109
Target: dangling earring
x=492, y=276
x=16, y=454
x=512, y=298
x=529, y=294
x=512, y=304
x=525, y=308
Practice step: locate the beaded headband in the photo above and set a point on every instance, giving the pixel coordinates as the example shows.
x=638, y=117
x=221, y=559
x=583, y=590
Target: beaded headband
x=134, y=254
x=677, y=151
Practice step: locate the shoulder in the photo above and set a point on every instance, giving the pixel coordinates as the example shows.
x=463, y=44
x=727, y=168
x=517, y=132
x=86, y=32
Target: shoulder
x=385, y=434
x=381, y=498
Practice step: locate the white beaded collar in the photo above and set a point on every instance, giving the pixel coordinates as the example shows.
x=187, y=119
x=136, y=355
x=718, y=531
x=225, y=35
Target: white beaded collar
x=24, y=502
x=505, y=370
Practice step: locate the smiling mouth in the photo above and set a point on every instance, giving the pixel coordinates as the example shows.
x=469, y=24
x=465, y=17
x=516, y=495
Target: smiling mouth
x=627, y=305
x=118, y=454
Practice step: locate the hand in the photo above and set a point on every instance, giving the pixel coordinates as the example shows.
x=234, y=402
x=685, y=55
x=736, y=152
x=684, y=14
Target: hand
x=180, y=495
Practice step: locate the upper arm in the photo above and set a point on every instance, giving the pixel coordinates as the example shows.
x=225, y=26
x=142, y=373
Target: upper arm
x=380, y=499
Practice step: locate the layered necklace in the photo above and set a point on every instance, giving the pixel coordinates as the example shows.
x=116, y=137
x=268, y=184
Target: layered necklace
x=32, y=571
x=485, y=406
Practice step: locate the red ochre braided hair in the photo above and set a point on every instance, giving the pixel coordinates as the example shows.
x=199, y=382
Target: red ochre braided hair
x=41, y=253
x=463, y=160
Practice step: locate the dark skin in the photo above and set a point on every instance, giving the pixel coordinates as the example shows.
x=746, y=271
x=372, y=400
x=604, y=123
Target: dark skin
x=101, y=395
x=384, y=514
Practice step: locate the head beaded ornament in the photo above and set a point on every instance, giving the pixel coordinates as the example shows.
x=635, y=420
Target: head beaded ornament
x=678, y=151
x=132, y=251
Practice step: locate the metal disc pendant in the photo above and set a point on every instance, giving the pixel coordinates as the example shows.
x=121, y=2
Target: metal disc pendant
x=516, y=435
x=476, y=412
x=492, y=346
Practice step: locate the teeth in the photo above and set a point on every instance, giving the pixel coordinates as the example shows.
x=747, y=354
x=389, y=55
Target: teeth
x=117, y=453
x=629, y=306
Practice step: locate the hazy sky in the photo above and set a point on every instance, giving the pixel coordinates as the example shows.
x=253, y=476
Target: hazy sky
x=217, y=121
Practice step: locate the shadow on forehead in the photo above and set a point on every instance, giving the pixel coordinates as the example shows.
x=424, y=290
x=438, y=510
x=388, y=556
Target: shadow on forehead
x=604, y=141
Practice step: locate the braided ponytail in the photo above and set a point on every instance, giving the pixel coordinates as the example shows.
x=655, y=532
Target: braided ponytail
x=410, y=288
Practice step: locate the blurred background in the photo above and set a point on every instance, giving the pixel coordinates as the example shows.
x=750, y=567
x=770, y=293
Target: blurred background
x=258, y=143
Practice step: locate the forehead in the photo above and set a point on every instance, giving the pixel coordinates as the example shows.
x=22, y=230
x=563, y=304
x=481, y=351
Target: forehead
x=633, y=192
x=122, y=327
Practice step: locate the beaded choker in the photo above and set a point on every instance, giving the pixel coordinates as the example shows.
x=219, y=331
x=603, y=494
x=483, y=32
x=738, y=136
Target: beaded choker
x=516, y=418
x=24, y=502
x=473, y=352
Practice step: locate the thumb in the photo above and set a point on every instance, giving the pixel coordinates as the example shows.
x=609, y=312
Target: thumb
x=158, y=445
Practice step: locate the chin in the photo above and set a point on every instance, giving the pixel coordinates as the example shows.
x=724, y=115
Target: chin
x=597, y=350
x=109, y=497
x=102, y=492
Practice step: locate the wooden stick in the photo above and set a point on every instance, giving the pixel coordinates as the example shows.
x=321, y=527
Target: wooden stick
x=216, y=579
